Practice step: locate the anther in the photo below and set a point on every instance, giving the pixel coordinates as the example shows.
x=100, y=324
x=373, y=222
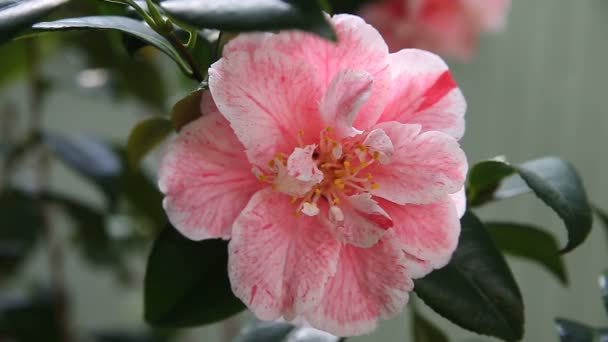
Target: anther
x=375, y=186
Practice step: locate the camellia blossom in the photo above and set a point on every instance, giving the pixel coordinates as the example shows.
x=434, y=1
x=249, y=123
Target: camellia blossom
x=334, y=170
x=448, y=27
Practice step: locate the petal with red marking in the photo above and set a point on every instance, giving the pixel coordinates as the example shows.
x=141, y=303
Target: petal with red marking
x=425, y=93
x=206, y=178
x=369, y=284
x=279, y=263
x=425, y=166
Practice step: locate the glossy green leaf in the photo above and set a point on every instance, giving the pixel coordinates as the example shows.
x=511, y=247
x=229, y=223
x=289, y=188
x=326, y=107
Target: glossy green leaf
x=130, y=26
x=187, y=109
x=186, y=282
x=484, y=178
x=251, y=15
x=571, y=331
x=476, y=290
x=92, y=158
x=530, y=243
x=145, y=136
x=425, y=331
x=18, y=15
x=557, y=183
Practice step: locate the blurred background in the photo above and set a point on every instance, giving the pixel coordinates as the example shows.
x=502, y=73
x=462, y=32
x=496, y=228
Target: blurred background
x=537, y=88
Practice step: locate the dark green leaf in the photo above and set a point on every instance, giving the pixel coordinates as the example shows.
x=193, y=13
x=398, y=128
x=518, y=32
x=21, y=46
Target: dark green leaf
x=557, y=183
x=425, y=331
x=476, y=290
x=21, y=223
x=143, y=79
x=187, y=109
x=603, y=216
x=18, y=15
x=187, y=283
x=530, y=243
x=484, y=178
x=261, y=331
x=145, y=136
x=571, y=331
x=248, y=15
x=92, y=158
x=127, y=25
x=121, y=336
x=29, y=319
x=603, y=281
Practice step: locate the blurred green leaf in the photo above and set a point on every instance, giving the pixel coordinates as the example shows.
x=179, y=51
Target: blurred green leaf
x=263, y=331
x=571, y=331
x=476, y=290
x=92, y=158
x=18, y=15
x=603, y=282
x=29, y=319
x=425, y=331
x=603, y=216
x=187, y=109
x=530, y=243
x=145, y=136
x=120, y=336
x=143, y=79
x=186, y=282
x=21, y=224
x=251, y=15
x=127, y=25
x=484, y=178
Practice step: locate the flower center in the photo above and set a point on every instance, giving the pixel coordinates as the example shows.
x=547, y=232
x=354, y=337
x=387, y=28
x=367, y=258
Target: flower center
x=341, y=166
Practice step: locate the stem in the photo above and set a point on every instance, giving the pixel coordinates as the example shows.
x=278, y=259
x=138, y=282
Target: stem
x=181, y=48
x=53, y=239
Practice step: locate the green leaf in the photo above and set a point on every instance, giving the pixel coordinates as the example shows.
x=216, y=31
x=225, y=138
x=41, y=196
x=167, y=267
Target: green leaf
x=603, y=281
x=530, y=243
x=552, y=179
x=130, y=26
x=425, y=331
x=145, y=136
x=247, y=15
x=92, y=158
x=603, y=216
x=18, y=15
x=557, y=183
x=19, y=316
x=187, y=109
x=143, y=79
x=186, y=282
x=263, y=331
x=571, y=331
x=21, y=225
x=484, y=178
x=476, y=290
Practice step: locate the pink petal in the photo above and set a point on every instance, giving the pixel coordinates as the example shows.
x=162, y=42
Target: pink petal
x=460, y=201
x=427, y=232
x=369, y=284
x=270, y=100
x=425, y=166
x=206, y=178
x=425, y=93
x=359, y=47
x=364, y=223
x=279, y=263
x=301, y=173
x=347, y=93
x=378, y=141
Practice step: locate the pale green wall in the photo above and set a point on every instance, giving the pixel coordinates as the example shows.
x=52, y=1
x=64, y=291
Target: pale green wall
x=538, y=88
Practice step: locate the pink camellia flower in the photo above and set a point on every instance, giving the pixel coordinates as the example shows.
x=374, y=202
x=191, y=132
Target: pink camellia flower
x=449, y=27
x=334, y=169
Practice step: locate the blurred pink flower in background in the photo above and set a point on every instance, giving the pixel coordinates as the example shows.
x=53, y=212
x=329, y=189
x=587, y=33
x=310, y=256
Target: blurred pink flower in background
x=334, y=169
x=446, y=27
